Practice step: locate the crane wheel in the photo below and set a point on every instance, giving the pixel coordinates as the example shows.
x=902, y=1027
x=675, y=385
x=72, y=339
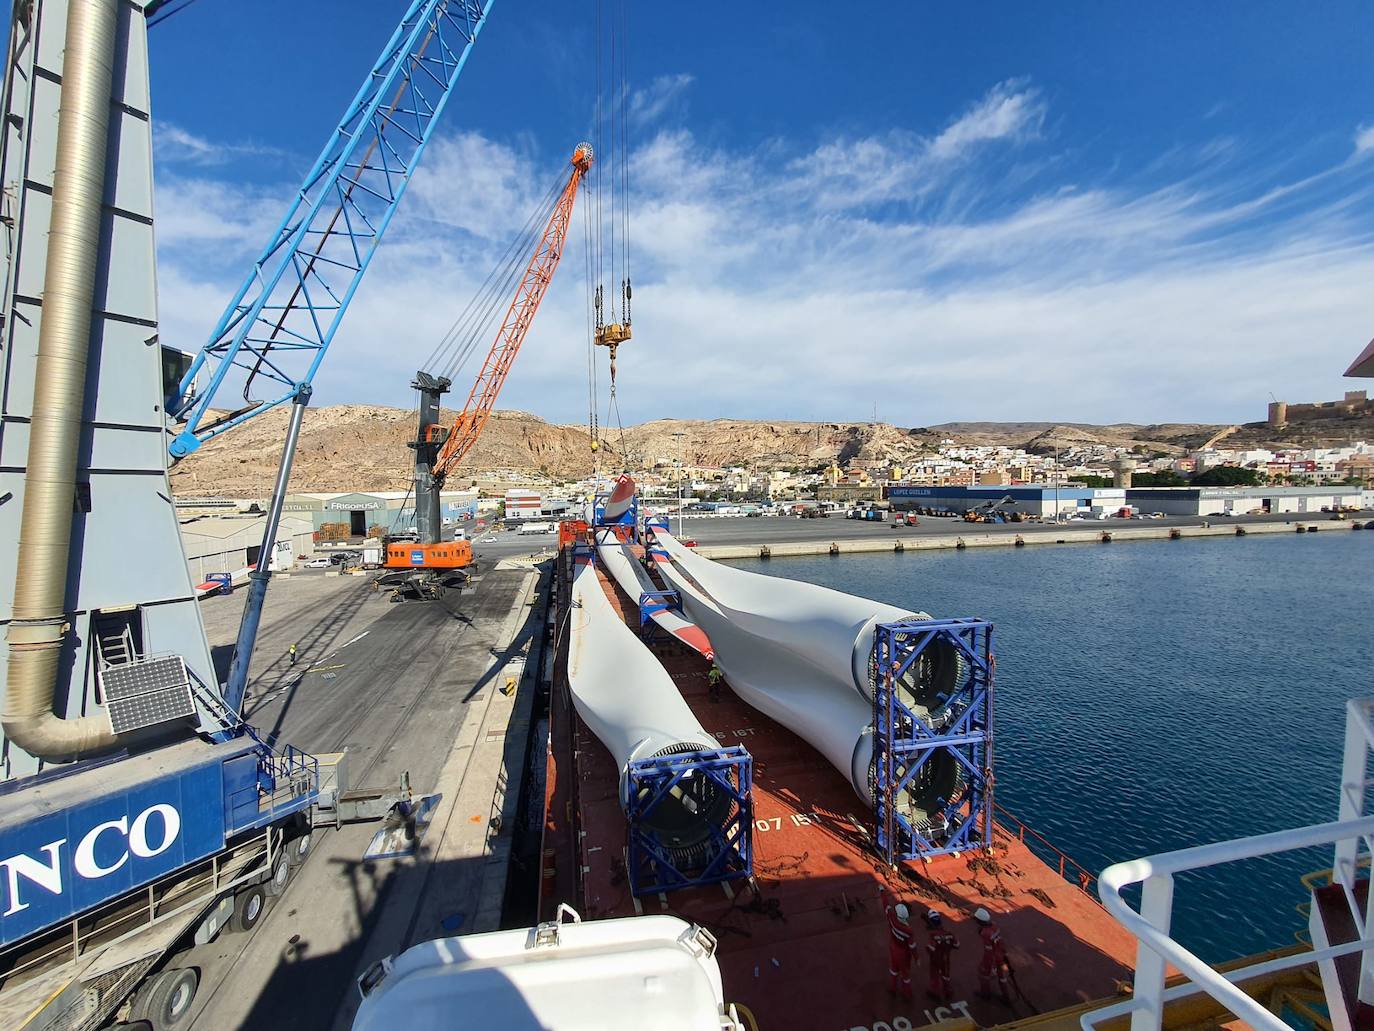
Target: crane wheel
x=249, y=906
x=281, y=875
x=298, y=848
x=165, y=999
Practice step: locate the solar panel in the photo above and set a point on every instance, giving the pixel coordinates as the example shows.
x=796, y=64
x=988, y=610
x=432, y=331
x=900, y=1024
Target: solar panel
x=145, y=693
x=141, y=677
x=144, y=710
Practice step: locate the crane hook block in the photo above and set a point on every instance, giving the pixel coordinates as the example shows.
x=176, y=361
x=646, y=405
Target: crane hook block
x=613, y=334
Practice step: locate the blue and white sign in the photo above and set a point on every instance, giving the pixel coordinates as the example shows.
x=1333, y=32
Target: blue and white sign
x=417, y=558
x=55, y=866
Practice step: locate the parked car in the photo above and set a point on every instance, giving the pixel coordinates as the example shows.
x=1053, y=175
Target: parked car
x=323, y=562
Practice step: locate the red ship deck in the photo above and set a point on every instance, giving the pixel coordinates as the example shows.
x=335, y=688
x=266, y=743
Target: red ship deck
x=806, y=947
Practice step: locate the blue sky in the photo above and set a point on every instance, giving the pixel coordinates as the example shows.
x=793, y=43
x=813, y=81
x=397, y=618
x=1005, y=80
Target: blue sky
x=1080, y=212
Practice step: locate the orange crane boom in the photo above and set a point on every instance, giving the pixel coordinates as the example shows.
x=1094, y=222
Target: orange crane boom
x=439, y=450
x=535, y=283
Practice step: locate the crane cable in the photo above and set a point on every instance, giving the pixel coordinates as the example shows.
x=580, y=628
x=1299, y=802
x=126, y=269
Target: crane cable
x=607, y=218
x=158, y=11
x=475, y=322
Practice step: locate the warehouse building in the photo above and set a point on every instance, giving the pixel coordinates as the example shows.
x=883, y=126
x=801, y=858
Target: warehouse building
x=1205, y=501
x=233, y=544
x=1175, y=501
x=361, y=510
x=1039, y=501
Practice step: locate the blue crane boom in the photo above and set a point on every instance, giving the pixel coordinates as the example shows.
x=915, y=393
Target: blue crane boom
x=279, y=324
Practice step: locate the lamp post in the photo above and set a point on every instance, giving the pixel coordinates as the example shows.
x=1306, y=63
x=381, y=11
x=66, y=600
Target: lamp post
x=681, y=469
x=1057, y=512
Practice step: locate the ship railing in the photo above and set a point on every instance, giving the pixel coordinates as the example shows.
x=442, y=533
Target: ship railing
x=1347, y=864
x=1157, y=950
x=1047, y=851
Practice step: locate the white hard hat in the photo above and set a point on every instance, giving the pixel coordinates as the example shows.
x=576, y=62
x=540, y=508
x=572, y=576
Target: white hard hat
x=903, y=914
x=982, y=916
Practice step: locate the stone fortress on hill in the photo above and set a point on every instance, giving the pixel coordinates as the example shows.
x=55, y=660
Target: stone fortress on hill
x=1355, y=402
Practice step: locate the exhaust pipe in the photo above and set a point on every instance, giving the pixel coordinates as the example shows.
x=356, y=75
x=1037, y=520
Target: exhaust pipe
x=39, y=626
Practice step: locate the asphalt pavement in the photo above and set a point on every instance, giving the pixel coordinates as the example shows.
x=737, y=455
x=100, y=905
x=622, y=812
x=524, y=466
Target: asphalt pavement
x=403, y=687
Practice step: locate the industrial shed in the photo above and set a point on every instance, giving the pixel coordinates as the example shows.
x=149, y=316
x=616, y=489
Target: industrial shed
x=231, y=544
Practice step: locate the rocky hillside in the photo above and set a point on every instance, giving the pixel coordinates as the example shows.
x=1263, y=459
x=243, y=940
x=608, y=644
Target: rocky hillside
x=363, y=447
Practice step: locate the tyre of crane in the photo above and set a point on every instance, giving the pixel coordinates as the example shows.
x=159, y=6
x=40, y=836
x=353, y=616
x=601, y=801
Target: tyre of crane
x=299, y=845
x=164, y=1001
x=249, y=905
x=280, y=875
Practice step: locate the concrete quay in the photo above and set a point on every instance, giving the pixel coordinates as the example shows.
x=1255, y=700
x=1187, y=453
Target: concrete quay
x=442, y=690
x=946, y=534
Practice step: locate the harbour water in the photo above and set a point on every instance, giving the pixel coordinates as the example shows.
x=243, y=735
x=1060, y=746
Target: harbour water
x=1153, y=696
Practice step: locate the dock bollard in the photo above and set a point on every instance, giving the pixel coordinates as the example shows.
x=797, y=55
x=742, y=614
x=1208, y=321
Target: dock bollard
x=1106, y=537
x=1240, y=531
x=1175, y=534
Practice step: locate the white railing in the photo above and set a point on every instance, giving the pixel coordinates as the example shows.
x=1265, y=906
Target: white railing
x=1157, y=950
x=1359, y=741
x=1353, y=838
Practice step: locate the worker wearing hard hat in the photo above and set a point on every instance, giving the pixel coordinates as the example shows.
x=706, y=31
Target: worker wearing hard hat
x=994, y=958
x=901, y=944
x=940, y=944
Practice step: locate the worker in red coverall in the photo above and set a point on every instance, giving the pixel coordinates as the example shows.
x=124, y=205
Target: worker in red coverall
x=901, y=944
x=940, y=944
x=994, y=958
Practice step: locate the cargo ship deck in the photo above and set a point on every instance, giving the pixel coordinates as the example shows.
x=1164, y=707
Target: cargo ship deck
x=805, y=944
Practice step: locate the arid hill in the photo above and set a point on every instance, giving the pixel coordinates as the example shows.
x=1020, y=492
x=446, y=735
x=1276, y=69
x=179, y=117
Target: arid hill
x=363, y=447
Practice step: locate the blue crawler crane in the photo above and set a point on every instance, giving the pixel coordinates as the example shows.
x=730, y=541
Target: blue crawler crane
x=139, y=813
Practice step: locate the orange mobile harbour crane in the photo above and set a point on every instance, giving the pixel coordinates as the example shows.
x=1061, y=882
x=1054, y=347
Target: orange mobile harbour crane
x=431, y=563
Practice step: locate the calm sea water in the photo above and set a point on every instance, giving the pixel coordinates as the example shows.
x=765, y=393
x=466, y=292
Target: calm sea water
x=1161, y=694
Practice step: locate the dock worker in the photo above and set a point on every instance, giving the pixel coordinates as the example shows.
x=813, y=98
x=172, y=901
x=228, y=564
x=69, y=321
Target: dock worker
x=293, y=653
x=939, y=945
x=901, y=944
x=713, y=680
x=993, y=961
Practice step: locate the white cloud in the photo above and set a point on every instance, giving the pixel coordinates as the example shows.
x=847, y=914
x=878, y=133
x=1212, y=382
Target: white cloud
x=174, y=145
x=901, y=165
x=1010, y=111
x=649, y=104
x=768, y=285
x=1364, y=139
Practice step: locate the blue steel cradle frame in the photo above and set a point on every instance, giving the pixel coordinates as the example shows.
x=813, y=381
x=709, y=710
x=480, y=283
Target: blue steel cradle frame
x=649, y=781
x=904, y=743
x=283, y=317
